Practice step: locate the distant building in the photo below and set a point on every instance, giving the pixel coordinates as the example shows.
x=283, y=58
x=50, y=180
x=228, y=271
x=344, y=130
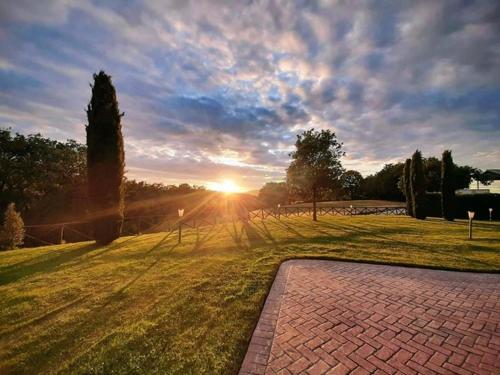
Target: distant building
x=472, y=191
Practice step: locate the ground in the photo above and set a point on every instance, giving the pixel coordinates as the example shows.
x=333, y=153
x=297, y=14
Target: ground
x=329, y=317
x=145, y=304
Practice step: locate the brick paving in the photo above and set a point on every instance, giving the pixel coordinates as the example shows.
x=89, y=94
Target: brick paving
x=325, y=317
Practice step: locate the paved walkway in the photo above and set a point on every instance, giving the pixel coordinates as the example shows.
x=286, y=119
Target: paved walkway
x=325, y=317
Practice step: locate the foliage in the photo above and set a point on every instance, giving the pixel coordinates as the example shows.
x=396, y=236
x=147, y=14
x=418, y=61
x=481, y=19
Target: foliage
x=105, y=160
x=407, y=186
x=148, y=305
x=274, y=193
x=447, y=186
x=315, y=164
x=351, y=181
x=384, y=184
x=12, y=231
x=417, y=185
x=479, y=176
x=432, y=172
x=479, y=203
x=45, y=178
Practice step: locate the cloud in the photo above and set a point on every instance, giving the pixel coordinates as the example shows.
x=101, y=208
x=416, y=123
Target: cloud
x=213, y=87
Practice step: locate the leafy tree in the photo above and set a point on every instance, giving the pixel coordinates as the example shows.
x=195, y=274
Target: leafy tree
x=105, y=160
x=384, y=184
x=432, y=172
x=274, y=193
x=479, y=176
x=351, y=182
x=43, y=177
x=447, y=186
x=417, y=185
x=12, y=234
x=407, y=187
x=315, y=164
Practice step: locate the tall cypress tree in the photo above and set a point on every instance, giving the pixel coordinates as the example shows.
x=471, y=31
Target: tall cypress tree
x=407, y=187
x=447, y=186
x=105, y=160
x=417, y=185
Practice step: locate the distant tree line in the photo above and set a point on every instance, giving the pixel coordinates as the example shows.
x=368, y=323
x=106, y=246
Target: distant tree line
x=316, y=174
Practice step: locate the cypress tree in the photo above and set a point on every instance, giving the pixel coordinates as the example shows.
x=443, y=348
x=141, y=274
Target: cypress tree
x=407, y=187
x=447, y=186
x=417, y=185
x=105, y=160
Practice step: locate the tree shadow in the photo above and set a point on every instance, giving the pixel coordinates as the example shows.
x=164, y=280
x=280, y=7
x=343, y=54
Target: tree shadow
x=17, y=272
x=254, y=237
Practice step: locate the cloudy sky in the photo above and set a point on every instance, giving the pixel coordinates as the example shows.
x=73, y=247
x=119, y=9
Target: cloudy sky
x=219, y=89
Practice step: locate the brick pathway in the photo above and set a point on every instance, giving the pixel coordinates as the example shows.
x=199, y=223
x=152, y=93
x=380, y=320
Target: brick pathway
x=325, y=317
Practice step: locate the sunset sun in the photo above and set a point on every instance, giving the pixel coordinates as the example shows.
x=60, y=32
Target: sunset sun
x=225, y=186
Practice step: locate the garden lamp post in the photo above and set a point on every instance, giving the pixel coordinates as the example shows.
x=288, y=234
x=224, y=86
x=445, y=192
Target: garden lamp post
x=491, y=211
x=351, y=209
x=471, y=216
x=181, y=214
x=279, y=207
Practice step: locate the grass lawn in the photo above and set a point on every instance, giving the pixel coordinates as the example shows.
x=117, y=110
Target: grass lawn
x=146, y=305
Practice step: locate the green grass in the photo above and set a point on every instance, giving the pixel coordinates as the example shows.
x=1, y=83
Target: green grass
x=149, y=306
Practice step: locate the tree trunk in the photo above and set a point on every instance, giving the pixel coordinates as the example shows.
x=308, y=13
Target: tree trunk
x=315, y=218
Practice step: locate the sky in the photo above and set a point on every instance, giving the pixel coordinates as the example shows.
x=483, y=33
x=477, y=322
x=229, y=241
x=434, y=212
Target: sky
x=216, y=90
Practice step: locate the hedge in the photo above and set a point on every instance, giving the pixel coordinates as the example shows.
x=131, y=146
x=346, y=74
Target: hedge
x=478, y=203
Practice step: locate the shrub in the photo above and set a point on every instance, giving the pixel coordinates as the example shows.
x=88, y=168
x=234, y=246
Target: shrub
x=12, y=234
x=105, y=160
x=417, y=185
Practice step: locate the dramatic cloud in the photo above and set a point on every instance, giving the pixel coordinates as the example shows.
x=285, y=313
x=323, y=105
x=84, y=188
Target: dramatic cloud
x=216, y=89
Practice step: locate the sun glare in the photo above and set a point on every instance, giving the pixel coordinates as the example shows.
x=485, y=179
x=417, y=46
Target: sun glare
x=226, y=186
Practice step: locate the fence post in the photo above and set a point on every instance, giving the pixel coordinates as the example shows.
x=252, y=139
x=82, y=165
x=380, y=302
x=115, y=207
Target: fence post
x=61, y=237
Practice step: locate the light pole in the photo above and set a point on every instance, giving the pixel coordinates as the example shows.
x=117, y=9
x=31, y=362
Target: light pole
x=491, y=211
x=279, y=206
x=471, y=216
x=180, y=211
x=351, y=209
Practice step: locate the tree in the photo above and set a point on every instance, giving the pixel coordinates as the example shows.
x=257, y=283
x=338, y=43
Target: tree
x=43, y=177
x=479, y=176
x=407, y=187
x=12, y=234
x=417, y=185
x=315, y=164
x=447, y=186
x=105, y=160
x=384, y=183
x=351, y=182
x=274, y=193
x=432, y=172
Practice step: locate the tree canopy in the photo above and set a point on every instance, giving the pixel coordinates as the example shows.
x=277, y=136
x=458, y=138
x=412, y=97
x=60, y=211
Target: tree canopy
x=315, y=164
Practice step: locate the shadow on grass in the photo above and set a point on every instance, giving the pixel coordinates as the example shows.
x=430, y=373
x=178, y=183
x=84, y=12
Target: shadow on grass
x=18, y=272
x=253, y=235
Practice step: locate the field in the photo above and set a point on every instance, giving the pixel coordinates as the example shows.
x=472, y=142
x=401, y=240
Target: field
x=146, y=304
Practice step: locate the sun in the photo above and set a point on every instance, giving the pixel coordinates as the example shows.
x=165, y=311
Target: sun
x=226, y=186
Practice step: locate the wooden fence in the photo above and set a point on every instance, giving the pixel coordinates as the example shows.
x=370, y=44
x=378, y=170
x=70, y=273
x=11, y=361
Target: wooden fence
x=49, y=234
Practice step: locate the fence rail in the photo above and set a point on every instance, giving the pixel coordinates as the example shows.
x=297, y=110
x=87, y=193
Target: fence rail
x=75, y=231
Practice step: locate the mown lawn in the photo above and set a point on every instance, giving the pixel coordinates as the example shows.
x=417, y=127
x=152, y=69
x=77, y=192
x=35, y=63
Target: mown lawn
x=146, y=305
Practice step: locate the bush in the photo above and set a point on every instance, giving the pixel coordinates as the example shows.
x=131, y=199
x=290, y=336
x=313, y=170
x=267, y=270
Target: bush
x=463, y=203
x=12, y=234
